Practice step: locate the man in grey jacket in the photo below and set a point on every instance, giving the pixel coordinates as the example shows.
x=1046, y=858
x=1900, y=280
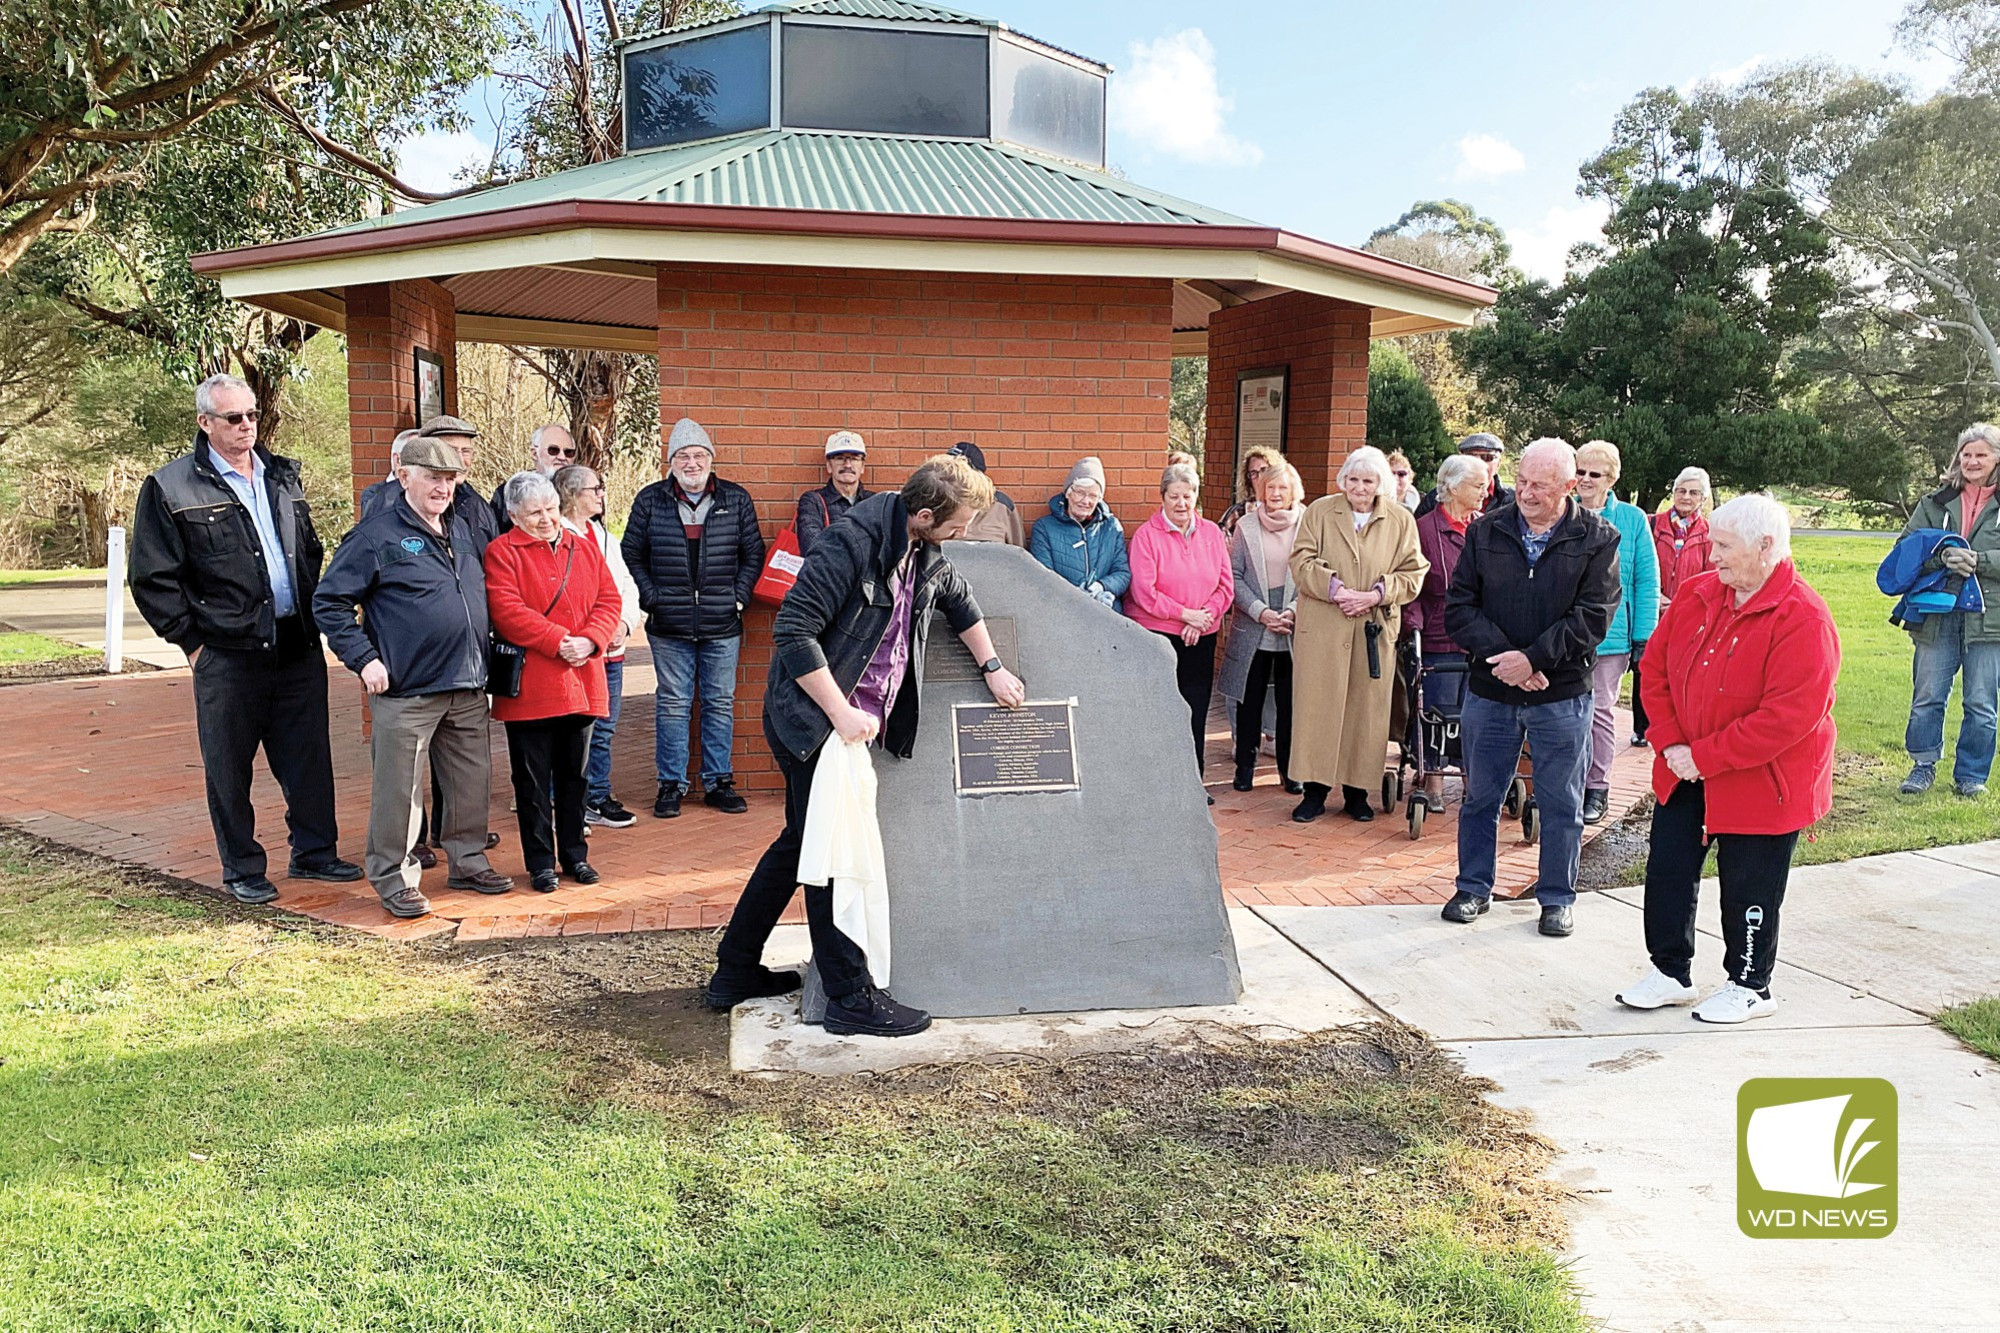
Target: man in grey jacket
x=403, y=605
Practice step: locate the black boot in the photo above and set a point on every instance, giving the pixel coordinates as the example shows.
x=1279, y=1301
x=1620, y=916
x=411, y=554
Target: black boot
x=730, y=987
x=1596, y=802
x=1244, y=772
x=1314, y=805
x=1354, y=804
x=873, y=1012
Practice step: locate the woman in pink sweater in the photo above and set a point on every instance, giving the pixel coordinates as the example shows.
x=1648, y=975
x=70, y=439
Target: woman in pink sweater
x=1181, y=585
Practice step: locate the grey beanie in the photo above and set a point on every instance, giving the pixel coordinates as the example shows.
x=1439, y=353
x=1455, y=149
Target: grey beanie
x=687, y=431
x=1086, y=469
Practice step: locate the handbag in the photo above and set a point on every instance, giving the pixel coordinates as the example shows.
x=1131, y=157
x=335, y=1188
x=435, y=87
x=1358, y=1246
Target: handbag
x=783, y=562
x=507, y=662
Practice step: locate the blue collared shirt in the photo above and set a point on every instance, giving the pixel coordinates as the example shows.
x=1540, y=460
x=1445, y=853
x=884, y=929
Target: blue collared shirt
x=1535, y=542
x=256, y=497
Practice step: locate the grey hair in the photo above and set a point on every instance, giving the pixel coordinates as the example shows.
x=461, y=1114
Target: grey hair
x=569, y=482
x=526, y=488
x=1753, y=517
x=1369, y=459
x=1180, y=472
x=204, y=392
x=1456, y=470
x=541, y=431
x=397, y=445
x=1550, y=447
x=1700, y=475
x=1982, y=431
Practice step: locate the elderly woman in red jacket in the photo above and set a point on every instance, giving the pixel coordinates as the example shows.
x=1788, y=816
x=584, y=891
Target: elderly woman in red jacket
x=550, y=592
x=1739, y=686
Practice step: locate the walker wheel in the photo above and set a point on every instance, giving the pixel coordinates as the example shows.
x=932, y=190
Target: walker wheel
x=1530, y=823
x=1516, y=794
x=1389, y=785
x=1418, y=808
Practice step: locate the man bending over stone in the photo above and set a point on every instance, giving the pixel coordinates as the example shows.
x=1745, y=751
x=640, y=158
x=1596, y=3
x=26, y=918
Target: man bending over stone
x=847, y=653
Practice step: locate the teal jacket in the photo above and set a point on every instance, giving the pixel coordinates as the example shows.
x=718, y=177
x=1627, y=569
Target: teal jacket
x=1638, y=578
x=1942, y=509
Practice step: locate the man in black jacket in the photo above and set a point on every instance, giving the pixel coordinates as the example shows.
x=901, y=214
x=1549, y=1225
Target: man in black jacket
x=1532, y=597
x=694, y=550
x=224, y=559
x=403, y=605
x=821, y=508
x=846, y=654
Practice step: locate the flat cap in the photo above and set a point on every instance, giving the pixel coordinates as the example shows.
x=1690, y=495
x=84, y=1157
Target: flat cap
x=442, y=425
x=433, y=454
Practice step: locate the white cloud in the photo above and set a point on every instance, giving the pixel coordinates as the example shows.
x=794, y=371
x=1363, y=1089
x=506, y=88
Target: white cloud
x=1727, y=77
x=1488, y=157
x=431, y=159
x=1541, y=249
x=1167, y=99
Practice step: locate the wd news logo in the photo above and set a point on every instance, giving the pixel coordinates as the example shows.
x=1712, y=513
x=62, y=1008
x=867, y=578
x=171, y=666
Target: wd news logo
x=1816, y=1158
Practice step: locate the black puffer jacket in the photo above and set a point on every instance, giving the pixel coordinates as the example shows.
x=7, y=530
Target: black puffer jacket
x=197, y=567
x=1556, y=610
x=656, y=551
x=837, y=614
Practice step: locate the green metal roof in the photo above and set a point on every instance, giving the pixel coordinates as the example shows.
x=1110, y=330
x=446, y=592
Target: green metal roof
x=906, y=10
x=865, y=173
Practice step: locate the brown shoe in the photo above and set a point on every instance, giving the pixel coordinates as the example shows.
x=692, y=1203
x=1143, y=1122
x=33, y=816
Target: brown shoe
x=407, y=903
x=485, y=881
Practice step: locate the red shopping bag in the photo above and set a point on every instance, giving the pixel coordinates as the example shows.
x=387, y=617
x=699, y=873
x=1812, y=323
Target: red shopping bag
x=781, y=568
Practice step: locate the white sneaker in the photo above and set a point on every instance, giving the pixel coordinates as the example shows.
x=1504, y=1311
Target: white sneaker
x=1656, y=990
x=1734, y=1004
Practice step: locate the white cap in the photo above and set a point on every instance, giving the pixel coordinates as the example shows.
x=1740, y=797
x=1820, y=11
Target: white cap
x=845, y=442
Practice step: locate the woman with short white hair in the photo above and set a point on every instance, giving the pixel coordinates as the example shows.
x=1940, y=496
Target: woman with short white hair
x=1960, y=644
x=1681, y=548
x=1355, y=565
x=1739, y=688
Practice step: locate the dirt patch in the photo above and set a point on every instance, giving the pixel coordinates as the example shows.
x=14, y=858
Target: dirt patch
x=1616, y=857
x=64, y=668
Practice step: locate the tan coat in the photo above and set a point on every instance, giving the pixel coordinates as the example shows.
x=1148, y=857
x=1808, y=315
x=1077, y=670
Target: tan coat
x=1340, y=716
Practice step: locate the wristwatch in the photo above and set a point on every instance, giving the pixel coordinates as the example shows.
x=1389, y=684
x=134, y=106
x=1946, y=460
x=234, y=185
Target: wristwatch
x=990, y=665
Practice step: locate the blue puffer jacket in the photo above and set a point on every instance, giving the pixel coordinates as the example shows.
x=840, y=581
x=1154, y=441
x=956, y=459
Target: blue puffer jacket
x=1083, y=553
x=1639, y=577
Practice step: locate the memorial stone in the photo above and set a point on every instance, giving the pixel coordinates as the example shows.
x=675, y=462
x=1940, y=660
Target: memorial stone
x=1097, y=889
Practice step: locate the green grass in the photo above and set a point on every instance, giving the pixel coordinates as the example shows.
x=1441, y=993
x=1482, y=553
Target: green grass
x=17, y=649
x=11, y=577
x=216, y=1123
x=1976, y=1024
x=1872, y=709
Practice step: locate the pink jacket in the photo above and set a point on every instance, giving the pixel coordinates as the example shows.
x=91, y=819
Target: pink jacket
x=1172, y=573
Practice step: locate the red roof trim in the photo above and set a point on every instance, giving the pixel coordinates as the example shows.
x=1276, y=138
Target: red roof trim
x=538, y=219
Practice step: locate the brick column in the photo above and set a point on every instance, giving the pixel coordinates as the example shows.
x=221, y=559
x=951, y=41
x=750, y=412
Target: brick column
x=1036, y=371
x=1325, y=343
x=386, y=321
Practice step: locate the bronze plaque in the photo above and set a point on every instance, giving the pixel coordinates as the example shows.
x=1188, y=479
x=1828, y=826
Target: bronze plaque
x=948, y=660
x=1025, y=749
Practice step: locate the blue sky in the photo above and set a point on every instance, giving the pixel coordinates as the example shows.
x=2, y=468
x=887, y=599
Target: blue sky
x=1330, y=119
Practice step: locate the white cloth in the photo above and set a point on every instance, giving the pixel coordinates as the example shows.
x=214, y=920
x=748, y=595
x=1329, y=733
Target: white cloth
x=621, y=578
x=842, y=846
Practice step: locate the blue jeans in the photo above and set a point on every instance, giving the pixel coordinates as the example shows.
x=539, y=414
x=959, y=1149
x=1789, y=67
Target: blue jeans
x=597, y=769
x=684, y=668
x=1936, y=667
x=1558, y=737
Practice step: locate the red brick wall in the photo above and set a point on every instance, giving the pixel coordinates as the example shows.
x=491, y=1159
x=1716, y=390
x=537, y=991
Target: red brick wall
x=384, y=322
x=1325, y=342
x=1036, y=371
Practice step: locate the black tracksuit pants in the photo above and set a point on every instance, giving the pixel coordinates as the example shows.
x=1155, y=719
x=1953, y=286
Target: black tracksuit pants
x=275, y=699
x=1266, y=670
x=1753, y=868
x=843, y=966
x=547, y=755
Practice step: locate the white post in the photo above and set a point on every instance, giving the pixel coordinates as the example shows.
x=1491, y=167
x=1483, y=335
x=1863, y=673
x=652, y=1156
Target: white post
x=114, y=601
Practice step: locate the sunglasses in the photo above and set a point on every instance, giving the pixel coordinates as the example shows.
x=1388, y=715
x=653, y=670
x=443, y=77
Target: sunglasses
x=554, y=452
x=1593, y=476
x=235, y=418
x=1400, y=473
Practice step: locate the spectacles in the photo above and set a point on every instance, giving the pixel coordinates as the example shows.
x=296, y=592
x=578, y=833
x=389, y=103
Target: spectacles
x=553, y=452
x=1593, y=476
x=597, y=489
x=235, y=418
x=1400, y=472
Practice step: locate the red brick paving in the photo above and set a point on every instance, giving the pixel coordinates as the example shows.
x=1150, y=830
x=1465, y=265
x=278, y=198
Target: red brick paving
x=110, y=766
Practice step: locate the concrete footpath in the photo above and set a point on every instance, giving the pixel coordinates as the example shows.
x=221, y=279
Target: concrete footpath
x=73, y=609
x=1643, y=1105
